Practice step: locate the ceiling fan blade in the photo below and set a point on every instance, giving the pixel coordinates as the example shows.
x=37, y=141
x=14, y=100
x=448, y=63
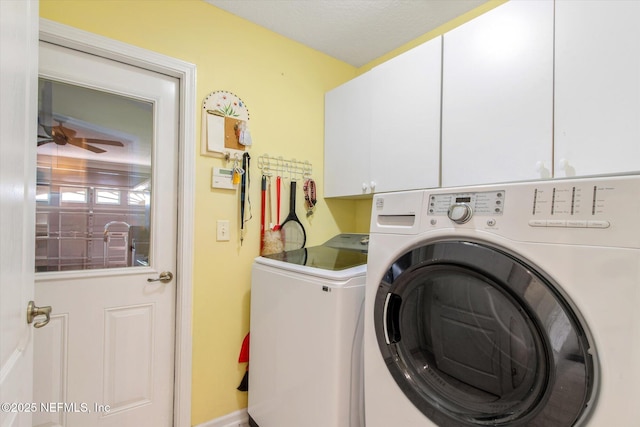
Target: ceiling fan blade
x=81, y=144
x=101, y=141
x=68, y=132
x=45, y=141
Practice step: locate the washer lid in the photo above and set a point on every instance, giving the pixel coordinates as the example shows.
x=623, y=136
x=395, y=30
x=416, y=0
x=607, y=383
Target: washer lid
x=322, y=257
x=354, y=241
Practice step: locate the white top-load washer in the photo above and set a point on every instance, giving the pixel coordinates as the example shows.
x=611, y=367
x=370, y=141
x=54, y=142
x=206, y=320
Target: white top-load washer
x=505, y=305
x=305, y=362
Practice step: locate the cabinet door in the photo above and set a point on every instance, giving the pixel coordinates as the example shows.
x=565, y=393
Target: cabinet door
x=405, y=140
x=597, y=93
x=498, y=96
x=347, y=137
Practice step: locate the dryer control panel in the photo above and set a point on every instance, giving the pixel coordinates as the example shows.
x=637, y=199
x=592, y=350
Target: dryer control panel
x=482, y=203
x=598, y=211
x=577, y=205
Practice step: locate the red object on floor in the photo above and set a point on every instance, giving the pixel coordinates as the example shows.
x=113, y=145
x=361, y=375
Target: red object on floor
x=244, y=358
x=244, y=350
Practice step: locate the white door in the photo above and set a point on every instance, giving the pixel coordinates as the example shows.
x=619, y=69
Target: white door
x=497, y=96
x=106, y=224
x=405, y=141
x=347, y=136
x=597, y=88
x=18, y=86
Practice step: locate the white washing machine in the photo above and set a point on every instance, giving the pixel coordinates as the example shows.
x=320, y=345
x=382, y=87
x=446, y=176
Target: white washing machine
x=305, y=362
x=505, y=305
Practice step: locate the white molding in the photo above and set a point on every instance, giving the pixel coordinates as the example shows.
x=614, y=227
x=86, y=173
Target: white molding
x=74, y=38
x=234, y=419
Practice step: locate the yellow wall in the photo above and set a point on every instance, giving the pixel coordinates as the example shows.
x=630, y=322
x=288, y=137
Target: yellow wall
x=283, y=85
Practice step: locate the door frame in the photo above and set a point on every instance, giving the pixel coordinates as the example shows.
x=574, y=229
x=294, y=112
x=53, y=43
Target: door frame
x=73, y=38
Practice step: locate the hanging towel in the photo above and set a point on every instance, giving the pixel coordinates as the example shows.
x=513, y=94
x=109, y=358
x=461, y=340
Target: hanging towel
x=244, y=358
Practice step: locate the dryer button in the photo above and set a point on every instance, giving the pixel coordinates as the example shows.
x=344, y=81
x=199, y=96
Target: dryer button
x=537, y=223
x=556, y=223
x=598, y=224
x=577, y=224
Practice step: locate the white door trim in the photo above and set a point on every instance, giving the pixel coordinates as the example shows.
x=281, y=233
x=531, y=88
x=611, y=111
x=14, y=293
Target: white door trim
x=74, y=38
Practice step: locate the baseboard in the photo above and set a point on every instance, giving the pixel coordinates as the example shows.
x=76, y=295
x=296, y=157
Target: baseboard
x=235, y=419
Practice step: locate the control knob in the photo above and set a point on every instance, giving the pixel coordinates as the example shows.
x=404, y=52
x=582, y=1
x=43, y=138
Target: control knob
x=460, y=213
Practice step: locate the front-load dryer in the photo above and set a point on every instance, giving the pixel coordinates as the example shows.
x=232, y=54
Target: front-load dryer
x=505, y=305
x=305, y=362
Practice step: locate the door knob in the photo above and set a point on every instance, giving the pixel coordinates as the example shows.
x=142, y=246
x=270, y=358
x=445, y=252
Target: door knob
x=164, y=277
x=33, y=312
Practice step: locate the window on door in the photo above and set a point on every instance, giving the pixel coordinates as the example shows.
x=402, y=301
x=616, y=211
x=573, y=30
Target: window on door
x=93, y=179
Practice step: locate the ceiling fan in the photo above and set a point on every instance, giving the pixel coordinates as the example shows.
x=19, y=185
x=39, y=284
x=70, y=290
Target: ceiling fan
x=62, y=135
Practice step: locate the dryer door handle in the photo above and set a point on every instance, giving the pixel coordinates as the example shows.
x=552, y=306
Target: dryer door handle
x=392, y=318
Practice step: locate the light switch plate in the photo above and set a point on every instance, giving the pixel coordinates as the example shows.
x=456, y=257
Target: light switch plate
x=222, y=234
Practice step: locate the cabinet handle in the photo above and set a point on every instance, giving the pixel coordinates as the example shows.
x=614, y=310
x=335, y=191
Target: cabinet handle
x=543, y=171
x=567, y=168
x=563, y=163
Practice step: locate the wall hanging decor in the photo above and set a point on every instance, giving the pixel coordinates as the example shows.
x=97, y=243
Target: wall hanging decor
x=293, y=169
x=225, y=125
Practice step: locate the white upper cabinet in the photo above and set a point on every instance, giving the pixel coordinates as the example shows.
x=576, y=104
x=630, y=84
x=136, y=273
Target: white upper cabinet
x=497, y=100
x=529, y=90
x=597, y=87
x=382, y=129
x=347, y=138
x=405, y=139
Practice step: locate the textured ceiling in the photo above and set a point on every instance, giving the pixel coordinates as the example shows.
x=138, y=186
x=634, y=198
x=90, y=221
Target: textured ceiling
x=354, y=31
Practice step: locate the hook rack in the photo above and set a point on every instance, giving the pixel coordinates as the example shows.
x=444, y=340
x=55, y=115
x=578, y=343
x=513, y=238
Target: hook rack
x=291, y=168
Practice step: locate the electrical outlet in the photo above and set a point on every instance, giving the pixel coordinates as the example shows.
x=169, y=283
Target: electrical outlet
x=223, y=230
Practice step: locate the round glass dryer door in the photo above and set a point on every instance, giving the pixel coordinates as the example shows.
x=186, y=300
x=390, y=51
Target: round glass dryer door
x=475, y=337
